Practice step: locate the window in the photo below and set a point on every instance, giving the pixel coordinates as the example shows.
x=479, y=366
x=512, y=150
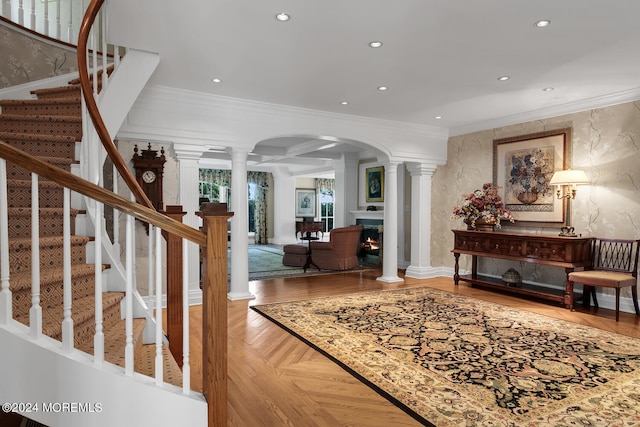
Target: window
x=326, y=210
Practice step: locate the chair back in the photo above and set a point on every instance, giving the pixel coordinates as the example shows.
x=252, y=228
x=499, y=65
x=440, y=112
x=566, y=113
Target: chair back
x=615, y=255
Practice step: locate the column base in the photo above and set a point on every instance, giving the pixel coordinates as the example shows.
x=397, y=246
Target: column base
x=235, y=296
x=422, y=272
x=390, y=279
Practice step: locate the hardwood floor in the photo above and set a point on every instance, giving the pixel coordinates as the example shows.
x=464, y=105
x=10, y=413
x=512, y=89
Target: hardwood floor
x=276, y=380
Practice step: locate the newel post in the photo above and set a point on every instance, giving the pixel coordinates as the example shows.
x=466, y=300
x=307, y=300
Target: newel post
x=214, y=311
x=174, y=286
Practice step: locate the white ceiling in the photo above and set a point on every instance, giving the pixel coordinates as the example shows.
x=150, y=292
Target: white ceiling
x=439, y=57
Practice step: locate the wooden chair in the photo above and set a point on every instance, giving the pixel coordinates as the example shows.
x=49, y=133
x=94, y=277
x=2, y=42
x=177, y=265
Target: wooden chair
x=614, y=264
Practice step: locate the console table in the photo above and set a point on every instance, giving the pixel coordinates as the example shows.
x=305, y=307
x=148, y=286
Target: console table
x=567, y=252
x=307, y=227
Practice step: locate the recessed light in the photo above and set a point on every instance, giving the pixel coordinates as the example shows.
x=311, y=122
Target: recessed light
x=375, y=44
x=282, y=17
x=382, y=88
x=503, y=78
x=437, y=117
x=216, y=80
x=542, y=23
x=547, y=89
x=344, y=103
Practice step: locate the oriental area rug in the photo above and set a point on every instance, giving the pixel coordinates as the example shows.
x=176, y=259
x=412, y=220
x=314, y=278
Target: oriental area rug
x=451, y=360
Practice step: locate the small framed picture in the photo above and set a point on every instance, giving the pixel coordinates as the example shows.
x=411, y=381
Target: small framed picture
x=305, y=202
x=374, y=184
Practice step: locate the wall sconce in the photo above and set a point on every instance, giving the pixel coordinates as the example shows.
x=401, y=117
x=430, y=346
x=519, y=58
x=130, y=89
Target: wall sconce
x=567, y=180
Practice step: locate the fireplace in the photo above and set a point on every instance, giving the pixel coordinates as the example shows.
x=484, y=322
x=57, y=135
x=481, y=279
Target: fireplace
x=370, y=240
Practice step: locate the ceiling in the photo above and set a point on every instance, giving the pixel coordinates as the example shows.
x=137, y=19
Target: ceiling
x=438, y=58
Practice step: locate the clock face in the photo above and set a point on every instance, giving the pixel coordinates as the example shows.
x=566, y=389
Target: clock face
x=149, y=176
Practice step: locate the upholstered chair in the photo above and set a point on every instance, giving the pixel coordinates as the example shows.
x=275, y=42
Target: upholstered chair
x=340, y=252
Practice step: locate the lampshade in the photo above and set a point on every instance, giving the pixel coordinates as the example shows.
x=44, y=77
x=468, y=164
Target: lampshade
x=569, y=177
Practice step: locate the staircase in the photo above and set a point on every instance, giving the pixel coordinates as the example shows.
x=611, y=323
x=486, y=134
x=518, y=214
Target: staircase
x=49, y=128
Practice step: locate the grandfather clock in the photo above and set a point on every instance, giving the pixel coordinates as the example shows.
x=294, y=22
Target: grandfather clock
x=149, y=168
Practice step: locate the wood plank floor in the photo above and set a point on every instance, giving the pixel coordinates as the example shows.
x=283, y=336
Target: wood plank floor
x=276, y=380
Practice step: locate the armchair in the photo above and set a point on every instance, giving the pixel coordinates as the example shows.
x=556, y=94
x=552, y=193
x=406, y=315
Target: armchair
x=340, y=252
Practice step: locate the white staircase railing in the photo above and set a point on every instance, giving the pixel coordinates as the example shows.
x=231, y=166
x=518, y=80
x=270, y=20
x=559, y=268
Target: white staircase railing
x=57, y=19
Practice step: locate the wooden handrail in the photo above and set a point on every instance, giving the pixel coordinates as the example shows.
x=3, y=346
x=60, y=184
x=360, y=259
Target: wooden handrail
x=92, y=107
x=84, y=187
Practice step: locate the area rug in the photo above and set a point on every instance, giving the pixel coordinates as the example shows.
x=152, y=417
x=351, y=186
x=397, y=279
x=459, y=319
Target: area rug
x=451, y=360
x=265, y=262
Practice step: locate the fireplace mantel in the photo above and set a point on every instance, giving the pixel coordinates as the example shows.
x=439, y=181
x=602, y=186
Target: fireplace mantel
x=367, y=214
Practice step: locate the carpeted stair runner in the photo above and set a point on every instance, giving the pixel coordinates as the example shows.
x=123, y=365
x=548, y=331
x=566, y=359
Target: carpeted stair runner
x=49, y=127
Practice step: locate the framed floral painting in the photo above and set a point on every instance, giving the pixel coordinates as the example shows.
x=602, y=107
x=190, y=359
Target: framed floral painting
x=523, y=167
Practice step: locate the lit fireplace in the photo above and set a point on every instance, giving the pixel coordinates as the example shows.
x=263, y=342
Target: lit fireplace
x=370, y=240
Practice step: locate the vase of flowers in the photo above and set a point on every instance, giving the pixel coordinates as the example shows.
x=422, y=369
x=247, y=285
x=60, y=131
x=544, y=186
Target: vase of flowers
x=483, y=209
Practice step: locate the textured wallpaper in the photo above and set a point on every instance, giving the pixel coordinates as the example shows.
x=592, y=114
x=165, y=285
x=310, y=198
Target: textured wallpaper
x=606, y=145
x=25, y=59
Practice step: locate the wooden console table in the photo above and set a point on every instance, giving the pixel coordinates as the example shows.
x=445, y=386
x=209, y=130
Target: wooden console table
x=307, y=227
x=567, y=252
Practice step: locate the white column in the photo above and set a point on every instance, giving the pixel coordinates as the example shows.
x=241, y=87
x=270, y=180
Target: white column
x=345, y=194
x=284, y=220
x=188, y=195
x=420, y=267
x=239, y=227
x=390, y=236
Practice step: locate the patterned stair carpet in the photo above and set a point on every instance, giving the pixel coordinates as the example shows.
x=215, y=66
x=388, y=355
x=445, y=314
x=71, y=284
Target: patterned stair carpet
x=451, y=360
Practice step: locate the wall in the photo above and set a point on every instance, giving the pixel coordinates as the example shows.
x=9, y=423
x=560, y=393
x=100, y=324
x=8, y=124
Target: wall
x=606, y=145
x=27, y=59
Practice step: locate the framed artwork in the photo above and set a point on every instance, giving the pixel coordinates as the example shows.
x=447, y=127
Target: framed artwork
x=305, y=202
x=374, y=184
x=522, y=169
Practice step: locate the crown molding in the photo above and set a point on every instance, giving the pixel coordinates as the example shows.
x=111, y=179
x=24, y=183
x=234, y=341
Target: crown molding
x=549, y=112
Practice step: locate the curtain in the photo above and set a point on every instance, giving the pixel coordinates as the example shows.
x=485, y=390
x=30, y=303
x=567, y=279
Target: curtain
x=325, y=185
x=209, y=177
x=261, y=179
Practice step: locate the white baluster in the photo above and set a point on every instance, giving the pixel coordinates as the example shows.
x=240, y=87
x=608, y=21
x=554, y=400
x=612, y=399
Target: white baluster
x=116, y=214
x=20, y=13
x=32, y=24
x=130, y=260
x=35, y=312
x=70, y=33
x=58, y=23
x=151, y=286
x=6, y=8
x=159, y=334
x=98, y=339
x=103, y=37
x=94, y=57
x=5, y=293
x=186, y=367
x=67, y=322
x=45, y=31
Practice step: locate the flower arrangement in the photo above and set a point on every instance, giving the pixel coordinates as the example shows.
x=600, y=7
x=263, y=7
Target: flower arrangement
x=483, y=205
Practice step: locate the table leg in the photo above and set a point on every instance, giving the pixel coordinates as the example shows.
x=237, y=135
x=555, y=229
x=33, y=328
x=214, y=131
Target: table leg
x=456, y=269
x=568, y=290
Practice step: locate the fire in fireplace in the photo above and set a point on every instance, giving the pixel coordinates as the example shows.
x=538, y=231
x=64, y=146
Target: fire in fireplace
x=370, y=240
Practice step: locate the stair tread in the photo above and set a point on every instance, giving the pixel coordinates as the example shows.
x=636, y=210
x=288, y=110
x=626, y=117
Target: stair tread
x=67, y=88
x=45, y=101
x=26, y=210
x=145, y=364
x=41, y=117
x=18, y=136
x=43, y=183
x=15, y=242
x=115, y=341
x=21, y=281
x=82, y=309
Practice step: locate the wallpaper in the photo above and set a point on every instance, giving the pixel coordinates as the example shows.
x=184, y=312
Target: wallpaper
x=606, y=145
x=26, y=59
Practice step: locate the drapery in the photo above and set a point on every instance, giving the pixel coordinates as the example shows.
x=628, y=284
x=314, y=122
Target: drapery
x=210, y=179
x=261, y=180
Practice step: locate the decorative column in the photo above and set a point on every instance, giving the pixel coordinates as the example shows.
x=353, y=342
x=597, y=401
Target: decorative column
x=188, y=194
x=345, y=195
x=239, y=288
x=284, y=187
x=390, y=237
x=420, y=267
